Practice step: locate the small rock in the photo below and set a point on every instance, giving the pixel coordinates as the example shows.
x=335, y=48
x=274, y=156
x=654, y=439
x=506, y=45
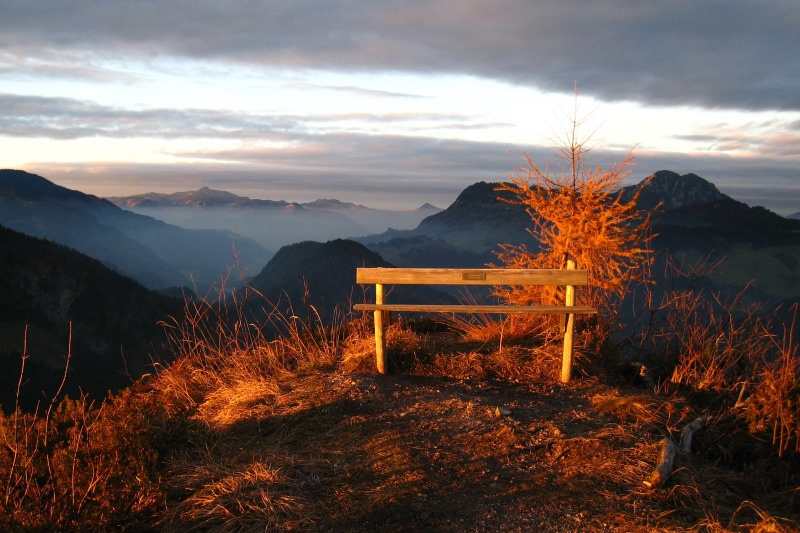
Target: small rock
x=502, y=411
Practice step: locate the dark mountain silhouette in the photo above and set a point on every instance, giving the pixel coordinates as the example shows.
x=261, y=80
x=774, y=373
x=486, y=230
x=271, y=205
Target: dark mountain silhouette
x=47, y=287
x=315, y=273
x=479, y=219
x=463, y=235
x=427, y=252
x=757, y=246
x=727, y=216
x=690, y=201
x=153, y=252
x=324, y=275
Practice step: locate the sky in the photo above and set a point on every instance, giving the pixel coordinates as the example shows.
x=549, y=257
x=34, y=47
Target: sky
x=395, y=103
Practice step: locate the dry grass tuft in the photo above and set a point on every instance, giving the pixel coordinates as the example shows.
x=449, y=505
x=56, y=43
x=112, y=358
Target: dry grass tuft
x=403, y=346
x=236, y=401
x=241, y=493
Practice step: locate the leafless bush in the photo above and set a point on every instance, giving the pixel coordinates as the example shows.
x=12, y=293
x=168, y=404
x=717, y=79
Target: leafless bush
x=701, y=339
x=77, y=465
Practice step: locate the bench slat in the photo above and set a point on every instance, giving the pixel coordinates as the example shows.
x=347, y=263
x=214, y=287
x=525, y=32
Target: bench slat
x=470, y=276
x=489, y=309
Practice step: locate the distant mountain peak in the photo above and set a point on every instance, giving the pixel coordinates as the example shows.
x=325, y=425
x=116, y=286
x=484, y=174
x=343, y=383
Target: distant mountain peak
x=331, y=203
x=674, y=191
x=202, y=197
x=206, y=196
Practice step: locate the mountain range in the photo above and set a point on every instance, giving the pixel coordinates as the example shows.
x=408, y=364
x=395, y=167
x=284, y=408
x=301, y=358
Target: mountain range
x=271, y=223
x=155, y=253
x=692, y=220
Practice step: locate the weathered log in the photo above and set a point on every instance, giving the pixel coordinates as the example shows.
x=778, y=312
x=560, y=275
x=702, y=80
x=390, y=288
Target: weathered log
x=663, y=469
x=669, y=450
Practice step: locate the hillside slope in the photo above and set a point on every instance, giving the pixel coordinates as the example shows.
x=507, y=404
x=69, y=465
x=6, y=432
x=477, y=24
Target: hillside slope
x=365, y=453
x=50, y=288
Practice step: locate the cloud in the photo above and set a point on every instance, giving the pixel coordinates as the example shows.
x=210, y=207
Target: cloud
x=69, y=118
x=712, y=53
x=357, y=91
x=372, y=165
x=379, y=171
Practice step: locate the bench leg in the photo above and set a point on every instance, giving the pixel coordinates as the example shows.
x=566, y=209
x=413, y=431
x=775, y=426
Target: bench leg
x=380, y=331
x=566, y=360
x=380, y=342
x=569, y=330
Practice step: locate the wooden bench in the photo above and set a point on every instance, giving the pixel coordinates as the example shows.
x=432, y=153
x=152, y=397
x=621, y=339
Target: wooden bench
x=569, y=278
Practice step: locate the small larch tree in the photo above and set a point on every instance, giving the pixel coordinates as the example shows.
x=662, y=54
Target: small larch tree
x=577, y=213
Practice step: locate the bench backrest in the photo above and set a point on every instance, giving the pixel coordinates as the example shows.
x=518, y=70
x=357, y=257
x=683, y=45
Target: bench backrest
x=471, y=276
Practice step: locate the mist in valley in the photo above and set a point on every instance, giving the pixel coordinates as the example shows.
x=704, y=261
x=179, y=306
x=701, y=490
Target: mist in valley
x=277, y=227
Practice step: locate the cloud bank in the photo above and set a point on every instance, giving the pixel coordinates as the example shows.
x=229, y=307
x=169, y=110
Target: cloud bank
x=711, y=53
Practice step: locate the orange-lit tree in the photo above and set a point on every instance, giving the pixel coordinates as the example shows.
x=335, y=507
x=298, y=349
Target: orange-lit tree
x=577, y=213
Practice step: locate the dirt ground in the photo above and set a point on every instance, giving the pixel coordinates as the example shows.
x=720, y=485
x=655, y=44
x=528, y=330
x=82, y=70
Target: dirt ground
x=333, y=451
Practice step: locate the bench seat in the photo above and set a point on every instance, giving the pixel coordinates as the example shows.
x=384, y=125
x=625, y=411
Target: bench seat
x=489, y=309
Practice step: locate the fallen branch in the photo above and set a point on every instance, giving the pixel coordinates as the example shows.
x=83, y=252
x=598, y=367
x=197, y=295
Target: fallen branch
x=663, y=469
x=740, y=401
x=669, y=450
